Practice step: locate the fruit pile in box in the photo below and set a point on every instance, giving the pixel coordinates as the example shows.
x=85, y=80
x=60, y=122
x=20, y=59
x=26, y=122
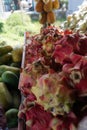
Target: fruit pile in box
x=10, y=60
x=54, y=80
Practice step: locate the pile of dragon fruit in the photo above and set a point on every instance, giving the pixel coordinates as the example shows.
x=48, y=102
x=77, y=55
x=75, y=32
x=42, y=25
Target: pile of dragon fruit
x=53, y=81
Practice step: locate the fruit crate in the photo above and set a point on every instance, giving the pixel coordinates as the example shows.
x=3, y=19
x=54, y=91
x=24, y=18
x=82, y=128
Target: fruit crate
x=21, y=122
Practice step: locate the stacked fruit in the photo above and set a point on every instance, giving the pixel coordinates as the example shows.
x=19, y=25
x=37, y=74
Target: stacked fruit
x=78, y=20
x=45, y=8
x=10, y=60
x=54, y=80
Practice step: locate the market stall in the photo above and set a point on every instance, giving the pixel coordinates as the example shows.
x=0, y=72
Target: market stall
x=43, y=86
x=53, y=80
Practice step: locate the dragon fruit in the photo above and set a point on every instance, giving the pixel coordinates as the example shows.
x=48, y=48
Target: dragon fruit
x=54, y=80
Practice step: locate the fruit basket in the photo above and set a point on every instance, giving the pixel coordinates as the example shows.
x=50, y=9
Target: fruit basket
x=21, y=121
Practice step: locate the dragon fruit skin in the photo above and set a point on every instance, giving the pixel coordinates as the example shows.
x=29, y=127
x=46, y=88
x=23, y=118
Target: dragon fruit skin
x=54, y=80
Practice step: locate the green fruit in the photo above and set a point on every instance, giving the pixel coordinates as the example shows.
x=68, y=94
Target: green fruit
x=5, y=49
x=0, y=79
x=12, y=124
x=12, y=118
x=4, y=68
x=5, y=59
x=10, y=78
x=16, y=64
x=17, y=54
x=16, y=98
x=11, y=113
x=5, y=96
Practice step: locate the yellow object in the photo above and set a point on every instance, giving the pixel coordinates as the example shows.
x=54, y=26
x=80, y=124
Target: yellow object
x=45, y=7
x=51, y=17
x=45, y=1
x=48, y=6
x=5, y=96
x=17, y=54
x=7, y=58
x=43, y=18
x=5, y=49
x=55, y=4
x=39, y=6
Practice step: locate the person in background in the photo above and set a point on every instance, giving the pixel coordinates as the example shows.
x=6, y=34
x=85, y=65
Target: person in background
x=12, y=7
x=24, y=5
x=31, y=5
x=16, y=4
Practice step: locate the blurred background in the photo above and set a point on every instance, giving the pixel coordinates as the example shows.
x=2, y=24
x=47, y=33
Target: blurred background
x=18, y=16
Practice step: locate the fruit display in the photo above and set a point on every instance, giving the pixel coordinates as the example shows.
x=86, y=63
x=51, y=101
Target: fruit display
x=77, y=21
x=10, y=97
x=53, y=80
x=49, y=91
